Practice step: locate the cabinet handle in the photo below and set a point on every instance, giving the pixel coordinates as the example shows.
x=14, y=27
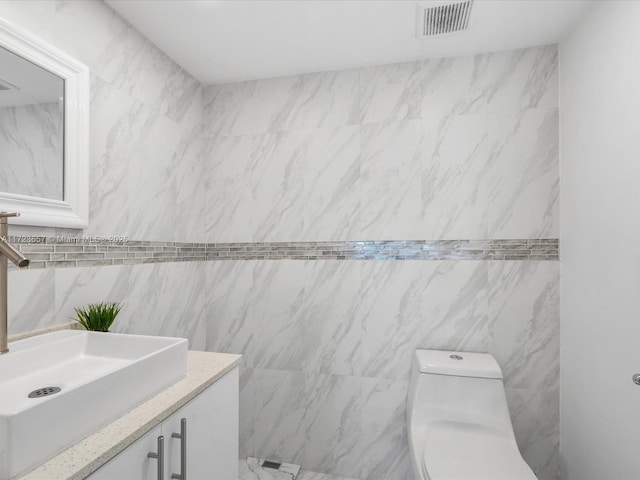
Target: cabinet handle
x=159, y=456
x=183, y=450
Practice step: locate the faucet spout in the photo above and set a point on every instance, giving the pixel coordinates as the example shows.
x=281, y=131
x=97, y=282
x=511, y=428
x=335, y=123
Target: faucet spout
x=7, y=251
x=12, y=253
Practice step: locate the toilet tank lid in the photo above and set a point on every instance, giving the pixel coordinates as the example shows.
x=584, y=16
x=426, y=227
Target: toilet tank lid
x=459, y=364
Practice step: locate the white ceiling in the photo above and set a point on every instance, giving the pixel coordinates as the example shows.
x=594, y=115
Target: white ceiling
x=233, y=40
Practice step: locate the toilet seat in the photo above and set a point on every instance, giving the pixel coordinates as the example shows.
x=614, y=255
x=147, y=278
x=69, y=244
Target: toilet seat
x=464, y=451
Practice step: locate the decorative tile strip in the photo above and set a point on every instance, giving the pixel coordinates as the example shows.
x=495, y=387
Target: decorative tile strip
x=46, y=252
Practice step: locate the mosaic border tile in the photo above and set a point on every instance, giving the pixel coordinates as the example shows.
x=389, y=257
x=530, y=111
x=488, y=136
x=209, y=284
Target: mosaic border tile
x=51, y=252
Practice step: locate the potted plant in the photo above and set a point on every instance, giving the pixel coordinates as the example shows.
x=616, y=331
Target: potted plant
x=98, y=317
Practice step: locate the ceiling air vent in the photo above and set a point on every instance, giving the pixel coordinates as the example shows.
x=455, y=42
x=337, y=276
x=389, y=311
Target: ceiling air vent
x=440, y=18
x=6, y=86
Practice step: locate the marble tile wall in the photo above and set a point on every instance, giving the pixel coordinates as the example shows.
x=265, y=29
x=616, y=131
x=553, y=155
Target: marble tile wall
x=146, y=167
x=448, y=148
x=462, y=148
x=444, y=149
x=328, y=344
x=167, y=299
x=328, y=350
x=146, y=177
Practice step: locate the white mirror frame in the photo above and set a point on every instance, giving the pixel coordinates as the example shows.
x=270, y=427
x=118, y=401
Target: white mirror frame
x=73, y=211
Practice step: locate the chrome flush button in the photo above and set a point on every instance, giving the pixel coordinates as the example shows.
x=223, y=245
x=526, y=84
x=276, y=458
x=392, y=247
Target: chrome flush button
x=455, y=357
x=636, y=379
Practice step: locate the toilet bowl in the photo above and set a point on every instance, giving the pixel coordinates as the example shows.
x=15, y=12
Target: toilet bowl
x=458, y=420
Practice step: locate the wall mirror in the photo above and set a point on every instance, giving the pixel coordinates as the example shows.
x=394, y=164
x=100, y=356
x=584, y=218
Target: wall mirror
x=44, y=132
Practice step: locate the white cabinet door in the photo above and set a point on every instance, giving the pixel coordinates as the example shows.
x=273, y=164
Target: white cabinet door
x=212, y=433
x=133, y=463
x=211, y=440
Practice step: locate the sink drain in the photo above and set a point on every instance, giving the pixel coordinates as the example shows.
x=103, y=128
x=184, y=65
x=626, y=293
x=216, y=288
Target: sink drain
x=44, y=392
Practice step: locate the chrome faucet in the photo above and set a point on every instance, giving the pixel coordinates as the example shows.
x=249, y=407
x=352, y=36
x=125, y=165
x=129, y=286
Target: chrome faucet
x=7, y=251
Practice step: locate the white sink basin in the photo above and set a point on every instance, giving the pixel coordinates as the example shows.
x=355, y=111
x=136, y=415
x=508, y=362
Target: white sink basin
x=100, y=375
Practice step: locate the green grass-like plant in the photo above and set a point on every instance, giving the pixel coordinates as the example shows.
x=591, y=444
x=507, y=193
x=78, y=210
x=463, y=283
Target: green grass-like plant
x=98, y=317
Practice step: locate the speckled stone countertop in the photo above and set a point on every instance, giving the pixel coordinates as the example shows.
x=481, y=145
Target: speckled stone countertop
x=86, y=456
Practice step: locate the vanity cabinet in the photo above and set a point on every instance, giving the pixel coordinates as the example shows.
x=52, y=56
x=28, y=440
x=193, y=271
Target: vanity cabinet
x=211, y=424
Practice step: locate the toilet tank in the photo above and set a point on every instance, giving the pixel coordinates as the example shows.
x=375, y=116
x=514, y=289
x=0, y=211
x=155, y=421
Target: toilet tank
x=458, y=387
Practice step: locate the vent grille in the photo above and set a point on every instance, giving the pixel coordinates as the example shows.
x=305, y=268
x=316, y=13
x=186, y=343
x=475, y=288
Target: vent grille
x=4, y=85
x=444, y=18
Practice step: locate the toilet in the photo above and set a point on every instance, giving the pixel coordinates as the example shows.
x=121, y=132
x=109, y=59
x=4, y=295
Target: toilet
x=458, y=420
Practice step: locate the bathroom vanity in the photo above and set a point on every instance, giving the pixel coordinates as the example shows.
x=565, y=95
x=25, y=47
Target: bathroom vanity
x=202, y=409
x=207, y=425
